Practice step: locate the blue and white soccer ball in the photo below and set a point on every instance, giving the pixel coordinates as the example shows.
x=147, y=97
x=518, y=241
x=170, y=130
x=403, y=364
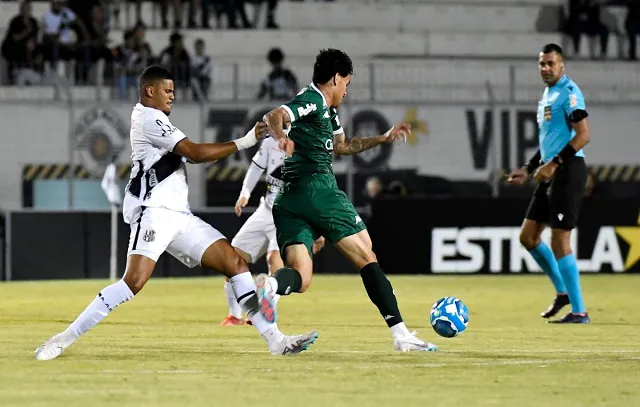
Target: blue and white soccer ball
x=449, y=317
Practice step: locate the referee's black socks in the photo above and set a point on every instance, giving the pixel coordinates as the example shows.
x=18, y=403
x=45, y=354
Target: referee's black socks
x=381, y=293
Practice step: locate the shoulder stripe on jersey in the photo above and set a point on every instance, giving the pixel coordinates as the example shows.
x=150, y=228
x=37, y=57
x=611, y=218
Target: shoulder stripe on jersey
x=162, y=169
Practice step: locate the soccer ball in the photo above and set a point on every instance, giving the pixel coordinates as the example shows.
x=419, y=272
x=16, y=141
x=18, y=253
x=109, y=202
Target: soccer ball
x=449, y=317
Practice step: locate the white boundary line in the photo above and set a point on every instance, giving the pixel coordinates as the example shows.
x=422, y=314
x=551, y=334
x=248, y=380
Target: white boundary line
x=383, y=365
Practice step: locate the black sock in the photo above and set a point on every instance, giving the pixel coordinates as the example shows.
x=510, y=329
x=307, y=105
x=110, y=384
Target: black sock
x=289, y=281
x=381, y=293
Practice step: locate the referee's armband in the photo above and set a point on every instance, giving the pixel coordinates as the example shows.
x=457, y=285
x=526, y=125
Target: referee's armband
x=577, y=115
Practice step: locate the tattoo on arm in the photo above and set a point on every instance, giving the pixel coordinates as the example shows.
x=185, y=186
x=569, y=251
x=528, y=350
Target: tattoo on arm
x=354, y=145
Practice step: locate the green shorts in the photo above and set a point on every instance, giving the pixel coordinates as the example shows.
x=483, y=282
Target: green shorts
x=314, y=207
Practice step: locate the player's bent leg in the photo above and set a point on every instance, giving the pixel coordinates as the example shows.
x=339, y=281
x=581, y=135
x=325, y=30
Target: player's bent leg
x=234, y=318
x=543, y=255
x=568, y=267
x=138, y=272
x=220, y=256
x=358, y=249
x=274, y=261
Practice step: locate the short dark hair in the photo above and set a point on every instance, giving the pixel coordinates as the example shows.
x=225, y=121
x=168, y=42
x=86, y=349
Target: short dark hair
x=549, y=48
x=330, y=62
x=153, y=74
x=275, y=56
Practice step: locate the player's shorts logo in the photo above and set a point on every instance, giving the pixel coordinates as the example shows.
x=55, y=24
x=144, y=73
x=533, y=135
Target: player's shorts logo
x=149, y=236
x=100, y=134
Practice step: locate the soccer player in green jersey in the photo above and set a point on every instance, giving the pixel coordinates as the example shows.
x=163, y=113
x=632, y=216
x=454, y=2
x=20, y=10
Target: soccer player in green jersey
x=310, y=204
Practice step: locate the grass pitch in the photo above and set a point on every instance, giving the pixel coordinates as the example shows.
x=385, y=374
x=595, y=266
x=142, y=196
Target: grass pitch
x=165, y=348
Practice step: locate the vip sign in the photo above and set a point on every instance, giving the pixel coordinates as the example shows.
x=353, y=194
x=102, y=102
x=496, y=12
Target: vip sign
x=472, y=249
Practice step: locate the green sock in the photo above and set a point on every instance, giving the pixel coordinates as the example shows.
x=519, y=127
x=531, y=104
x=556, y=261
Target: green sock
x=289, y=281
x=381, y=293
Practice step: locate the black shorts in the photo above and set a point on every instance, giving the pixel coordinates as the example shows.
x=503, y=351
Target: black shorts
x=557, y=202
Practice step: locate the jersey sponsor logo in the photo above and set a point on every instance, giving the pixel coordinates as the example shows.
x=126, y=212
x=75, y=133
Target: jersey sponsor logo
x=328, y=144
x=471, y=249
x=303, y=111
x=100, y=134
x=166, y=129
x=153, y=178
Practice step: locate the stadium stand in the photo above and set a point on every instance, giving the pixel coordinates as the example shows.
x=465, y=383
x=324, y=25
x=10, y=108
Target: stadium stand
x=406, y=50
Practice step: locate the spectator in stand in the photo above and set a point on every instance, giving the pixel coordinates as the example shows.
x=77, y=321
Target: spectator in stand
x=141, y=45
x=58, y=42
x=632, y=25
x=281, y=83
x=16, y=45
x=97, y=41
x=201, y=69
x=175, y=59
x=29, y=71
x=574, y=22
x=132, y=59
x=271, y=12
x=596, y=28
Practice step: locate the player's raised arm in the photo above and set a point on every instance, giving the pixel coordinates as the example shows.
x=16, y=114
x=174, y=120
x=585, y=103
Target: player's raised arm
x=276, y=121
x=356, y=145
x=207, y=152
x=256, y=168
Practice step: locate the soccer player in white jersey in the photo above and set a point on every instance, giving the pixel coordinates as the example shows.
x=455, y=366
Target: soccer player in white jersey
x=257, y=236
x=157, y=208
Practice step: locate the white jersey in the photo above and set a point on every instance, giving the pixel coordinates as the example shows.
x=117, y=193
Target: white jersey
x=268, y=159
x=158, y=175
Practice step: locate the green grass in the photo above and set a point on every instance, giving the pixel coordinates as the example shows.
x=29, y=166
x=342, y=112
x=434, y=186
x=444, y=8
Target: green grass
x=165, y=348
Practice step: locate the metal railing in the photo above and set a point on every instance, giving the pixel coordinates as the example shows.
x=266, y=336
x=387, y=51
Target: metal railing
x=415, y=81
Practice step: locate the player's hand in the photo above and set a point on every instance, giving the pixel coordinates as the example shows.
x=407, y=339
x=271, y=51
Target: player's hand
x=286, y=145
x=398, y=132
x=518, y=177
x=241, y=203
x=545, y=172
x=261, y=130
x=318, y=245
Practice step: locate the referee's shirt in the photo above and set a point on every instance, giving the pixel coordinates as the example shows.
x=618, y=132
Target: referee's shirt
x=554, y=110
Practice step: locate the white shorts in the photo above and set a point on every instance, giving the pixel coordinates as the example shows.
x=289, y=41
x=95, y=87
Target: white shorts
x=257, y=235
x=183, y=235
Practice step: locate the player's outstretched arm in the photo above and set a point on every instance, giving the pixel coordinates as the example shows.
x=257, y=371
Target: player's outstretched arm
x=356, y=145
x=276, y=121
x=207, y=152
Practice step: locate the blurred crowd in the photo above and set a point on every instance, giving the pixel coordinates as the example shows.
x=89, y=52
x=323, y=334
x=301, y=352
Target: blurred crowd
x=589, y=18
x=78, y=31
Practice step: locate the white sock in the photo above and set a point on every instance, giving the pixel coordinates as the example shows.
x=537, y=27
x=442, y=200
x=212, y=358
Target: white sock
x=273, y=283
x=107, y=300
x=245, y=290
x=234, y=308
x=399, y=331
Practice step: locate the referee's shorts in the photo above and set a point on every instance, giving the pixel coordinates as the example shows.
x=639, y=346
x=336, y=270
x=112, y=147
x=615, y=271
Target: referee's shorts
x=557, y=202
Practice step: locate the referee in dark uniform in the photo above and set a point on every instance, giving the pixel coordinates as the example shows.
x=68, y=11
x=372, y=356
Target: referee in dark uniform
x=561, y=173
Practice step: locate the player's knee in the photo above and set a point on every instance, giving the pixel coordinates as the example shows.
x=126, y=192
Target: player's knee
x=135, y=281
x=528, y=240
x=237, y=265
x=560, y=243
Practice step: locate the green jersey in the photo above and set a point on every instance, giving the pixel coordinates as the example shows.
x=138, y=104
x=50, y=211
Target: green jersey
x=313, y=125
